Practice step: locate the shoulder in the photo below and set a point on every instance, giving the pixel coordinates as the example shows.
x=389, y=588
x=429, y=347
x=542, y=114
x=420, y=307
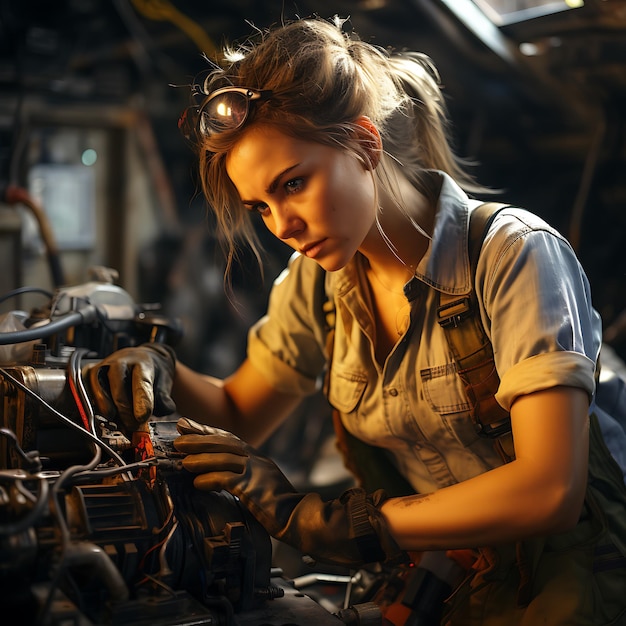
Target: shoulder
x=288, y=343
x=301, y=275
x=513, y=222
x=298, y=296
x=517, y=235
x=524, y=259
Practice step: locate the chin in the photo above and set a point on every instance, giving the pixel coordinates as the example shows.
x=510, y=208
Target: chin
x=332, y=265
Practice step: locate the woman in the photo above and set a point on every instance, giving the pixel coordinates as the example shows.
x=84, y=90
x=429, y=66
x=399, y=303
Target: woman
x=341, y=150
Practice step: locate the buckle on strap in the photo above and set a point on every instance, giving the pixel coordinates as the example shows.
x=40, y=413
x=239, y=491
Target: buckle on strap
x=363, y=533
x=493, y=431
x=453, y=313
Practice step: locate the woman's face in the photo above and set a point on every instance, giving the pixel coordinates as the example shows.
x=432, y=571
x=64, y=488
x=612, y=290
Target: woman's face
x=319, y=200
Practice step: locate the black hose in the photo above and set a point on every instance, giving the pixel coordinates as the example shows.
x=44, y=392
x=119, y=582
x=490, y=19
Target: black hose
x=73, y=318
x=22, y=290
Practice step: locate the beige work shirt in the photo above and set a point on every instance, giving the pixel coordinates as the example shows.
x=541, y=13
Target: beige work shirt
x=535, y=306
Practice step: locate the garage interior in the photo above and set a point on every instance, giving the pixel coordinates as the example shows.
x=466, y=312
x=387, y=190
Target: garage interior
x=94, y=173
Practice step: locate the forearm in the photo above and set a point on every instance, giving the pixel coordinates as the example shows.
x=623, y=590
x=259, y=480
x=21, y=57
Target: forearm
x=244, y=403
x=541, y=492
x=507, y=504
x=201, y=397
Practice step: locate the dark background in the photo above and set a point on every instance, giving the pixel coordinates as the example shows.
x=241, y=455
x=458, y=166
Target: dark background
x=546, y=128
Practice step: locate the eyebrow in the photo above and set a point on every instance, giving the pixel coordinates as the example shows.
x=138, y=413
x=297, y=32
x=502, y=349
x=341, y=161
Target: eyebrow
x=271, y=188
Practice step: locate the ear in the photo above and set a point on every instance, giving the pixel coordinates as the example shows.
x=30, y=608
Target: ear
x=370, y=140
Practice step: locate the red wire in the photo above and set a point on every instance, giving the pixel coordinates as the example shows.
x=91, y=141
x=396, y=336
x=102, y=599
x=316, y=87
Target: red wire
x=79, y=404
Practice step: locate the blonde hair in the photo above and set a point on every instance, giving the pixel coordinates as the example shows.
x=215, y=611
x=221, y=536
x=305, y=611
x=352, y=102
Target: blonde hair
x=323, y=79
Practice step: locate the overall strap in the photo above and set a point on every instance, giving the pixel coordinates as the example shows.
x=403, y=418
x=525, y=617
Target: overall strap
x=459, y=316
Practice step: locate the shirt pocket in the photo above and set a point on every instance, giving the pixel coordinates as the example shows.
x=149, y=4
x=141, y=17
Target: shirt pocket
x=445, y=395
x=346, y=389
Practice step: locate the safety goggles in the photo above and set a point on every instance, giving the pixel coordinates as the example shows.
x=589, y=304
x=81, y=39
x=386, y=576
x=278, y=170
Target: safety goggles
x=225, y=109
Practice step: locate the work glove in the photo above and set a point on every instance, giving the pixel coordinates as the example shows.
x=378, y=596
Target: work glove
x=133, y=384
x=349, y=530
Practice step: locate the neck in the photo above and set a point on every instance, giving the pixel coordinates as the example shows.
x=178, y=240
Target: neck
x=394, y=247
x=390, y=280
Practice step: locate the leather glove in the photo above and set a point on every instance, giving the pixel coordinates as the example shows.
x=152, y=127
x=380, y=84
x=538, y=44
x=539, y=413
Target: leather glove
x=133, y=383
x=349, y=530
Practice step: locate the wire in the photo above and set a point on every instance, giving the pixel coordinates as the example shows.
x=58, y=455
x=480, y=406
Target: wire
x=80, y=397
x=112, y=453
x=160, y=583
x=54, y=305
x=73, y=318
x=31, y=462
x=145, y=53
x=113, y=471
x=22, y=290
x=163, y=10
x=164, y=568
x=60, y=483
x=19, y=195
x=36, y=511
x=65, y=538
x=162, y=544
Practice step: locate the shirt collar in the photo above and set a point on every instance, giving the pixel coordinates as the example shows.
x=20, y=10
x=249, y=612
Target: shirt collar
x=445, y=266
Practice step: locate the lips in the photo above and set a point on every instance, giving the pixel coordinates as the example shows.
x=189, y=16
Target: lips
x=312, y=249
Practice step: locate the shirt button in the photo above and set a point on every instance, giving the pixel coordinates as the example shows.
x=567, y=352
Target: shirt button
x=393, y=392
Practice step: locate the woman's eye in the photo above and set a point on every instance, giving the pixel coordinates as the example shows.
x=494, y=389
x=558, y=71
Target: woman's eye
x=261, y=208
x=294, y=185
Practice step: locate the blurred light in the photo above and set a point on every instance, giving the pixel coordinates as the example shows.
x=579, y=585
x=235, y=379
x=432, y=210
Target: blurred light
x=530, y=49
x=539, y=47
x=509, y=11
x=474, y=18
x=89, y=157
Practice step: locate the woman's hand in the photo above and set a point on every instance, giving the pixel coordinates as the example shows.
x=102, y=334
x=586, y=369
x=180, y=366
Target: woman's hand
x=348, y=530
x=133, y=383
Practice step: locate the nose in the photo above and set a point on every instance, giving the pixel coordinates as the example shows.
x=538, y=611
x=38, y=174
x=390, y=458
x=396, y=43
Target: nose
x=287, y=223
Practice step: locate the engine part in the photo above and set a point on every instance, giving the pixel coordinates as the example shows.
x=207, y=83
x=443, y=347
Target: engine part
x=99, y=527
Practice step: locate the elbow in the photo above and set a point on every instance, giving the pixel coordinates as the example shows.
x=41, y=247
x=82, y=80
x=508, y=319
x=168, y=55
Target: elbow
x=564, y=506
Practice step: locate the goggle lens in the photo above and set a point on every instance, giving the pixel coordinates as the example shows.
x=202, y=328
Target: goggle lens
x=224, y=109
x=227, y=111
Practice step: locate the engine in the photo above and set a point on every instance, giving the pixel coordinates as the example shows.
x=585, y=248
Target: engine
x=99, y=529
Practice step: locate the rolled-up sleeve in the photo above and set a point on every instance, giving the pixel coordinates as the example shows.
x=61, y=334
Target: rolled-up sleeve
x=287, y=344
x=544, y=371
x=536, y=305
